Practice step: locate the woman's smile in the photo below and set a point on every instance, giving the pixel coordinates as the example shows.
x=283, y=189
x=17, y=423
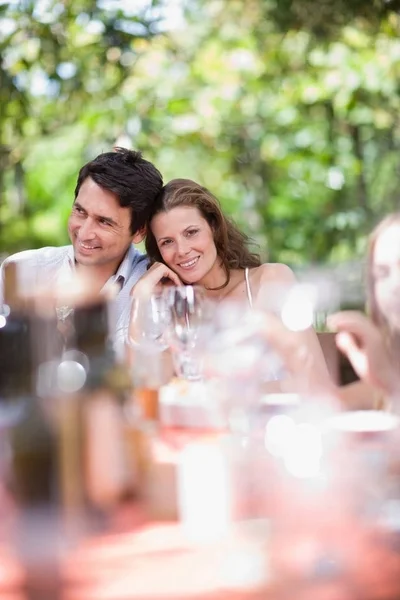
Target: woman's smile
x=189, y=264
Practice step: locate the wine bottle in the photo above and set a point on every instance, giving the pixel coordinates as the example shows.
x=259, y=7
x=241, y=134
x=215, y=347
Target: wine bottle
x=106, y=472
x=30, y=436
x=30, y=473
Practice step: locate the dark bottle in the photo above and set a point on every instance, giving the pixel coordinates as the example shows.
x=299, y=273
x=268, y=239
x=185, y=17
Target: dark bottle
x=16, y=377
x=96, y=409
x=30, y=470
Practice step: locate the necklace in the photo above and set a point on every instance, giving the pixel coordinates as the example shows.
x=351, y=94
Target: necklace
x=234, y=282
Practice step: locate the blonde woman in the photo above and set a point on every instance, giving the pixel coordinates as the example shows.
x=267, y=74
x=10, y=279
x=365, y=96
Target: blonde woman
x=373, y=345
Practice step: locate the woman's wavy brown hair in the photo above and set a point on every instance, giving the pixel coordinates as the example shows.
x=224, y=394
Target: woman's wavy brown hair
x=230, y=242
x=392, y=336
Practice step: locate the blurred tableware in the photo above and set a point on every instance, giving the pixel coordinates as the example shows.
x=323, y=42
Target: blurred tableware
x=150, y=318
x=188, y=329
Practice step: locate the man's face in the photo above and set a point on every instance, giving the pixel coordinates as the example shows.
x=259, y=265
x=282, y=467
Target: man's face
x=99, y=228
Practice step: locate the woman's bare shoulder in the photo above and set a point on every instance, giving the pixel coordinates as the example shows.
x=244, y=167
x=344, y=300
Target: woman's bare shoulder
x=270, y=275
x=276, y=272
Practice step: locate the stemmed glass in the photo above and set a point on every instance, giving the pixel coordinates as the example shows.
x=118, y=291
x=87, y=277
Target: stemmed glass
x=150, y=318
x=237, y=356
x=188, y=329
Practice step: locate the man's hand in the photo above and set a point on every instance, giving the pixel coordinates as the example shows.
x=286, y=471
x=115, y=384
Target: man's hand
x=362, y=342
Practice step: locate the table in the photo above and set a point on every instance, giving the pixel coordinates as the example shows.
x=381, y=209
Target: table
x=154, y=561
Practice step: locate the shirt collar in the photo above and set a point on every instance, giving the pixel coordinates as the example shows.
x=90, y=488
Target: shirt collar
x=66, y=272
x=125, y=268
x=70, y=257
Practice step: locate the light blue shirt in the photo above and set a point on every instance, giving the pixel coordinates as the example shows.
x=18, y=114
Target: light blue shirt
x=47, y=266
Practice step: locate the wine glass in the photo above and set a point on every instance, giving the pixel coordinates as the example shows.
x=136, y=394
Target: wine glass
x=188, y=329
x=236, y=356
x=150, y=317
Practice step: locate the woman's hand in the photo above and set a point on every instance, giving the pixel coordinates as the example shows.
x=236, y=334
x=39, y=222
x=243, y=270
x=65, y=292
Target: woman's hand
x=362, y=342
x=154, y=280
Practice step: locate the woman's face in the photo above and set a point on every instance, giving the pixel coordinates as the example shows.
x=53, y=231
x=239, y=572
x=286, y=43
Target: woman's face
x=186, y=242
x=386, y=274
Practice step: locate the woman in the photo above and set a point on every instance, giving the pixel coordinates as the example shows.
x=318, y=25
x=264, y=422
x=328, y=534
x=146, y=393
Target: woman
x=190, y=241
x=373, y=346
x=189, y=234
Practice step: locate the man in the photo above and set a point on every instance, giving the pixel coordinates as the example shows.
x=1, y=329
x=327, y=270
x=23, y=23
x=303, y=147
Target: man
x=114, y=196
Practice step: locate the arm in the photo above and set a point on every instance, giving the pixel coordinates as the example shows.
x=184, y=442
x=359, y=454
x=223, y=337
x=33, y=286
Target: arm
x=153, y=281
x=277, y=282
x=303, y=364
x=360, y=396
x=361, y=341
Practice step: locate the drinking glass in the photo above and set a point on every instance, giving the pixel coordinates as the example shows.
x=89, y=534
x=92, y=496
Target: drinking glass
x=188, y=329
x=235, y=356
x=150, y=318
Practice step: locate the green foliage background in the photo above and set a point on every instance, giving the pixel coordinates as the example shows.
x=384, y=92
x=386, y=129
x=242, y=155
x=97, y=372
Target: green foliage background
x=288, y=110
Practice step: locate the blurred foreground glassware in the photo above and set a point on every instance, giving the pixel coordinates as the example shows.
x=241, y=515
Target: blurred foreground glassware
x=331, y=488
x=239, y=358
x=369, y=437
x=188, y=329
x=150, y=317
x=66, y=469
x=101, y=386
x=27, y=474
x=17, y=365
x=150, y=367
x=147, y=348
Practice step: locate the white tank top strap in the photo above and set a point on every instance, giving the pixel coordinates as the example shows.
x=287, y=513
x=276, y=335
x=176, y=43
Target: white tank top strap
x=248, y=288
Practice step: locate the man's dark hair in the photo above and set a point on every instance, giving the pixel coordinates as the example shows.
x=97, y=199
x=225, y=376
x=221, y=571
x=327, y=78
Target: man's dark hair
x=135, y=181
